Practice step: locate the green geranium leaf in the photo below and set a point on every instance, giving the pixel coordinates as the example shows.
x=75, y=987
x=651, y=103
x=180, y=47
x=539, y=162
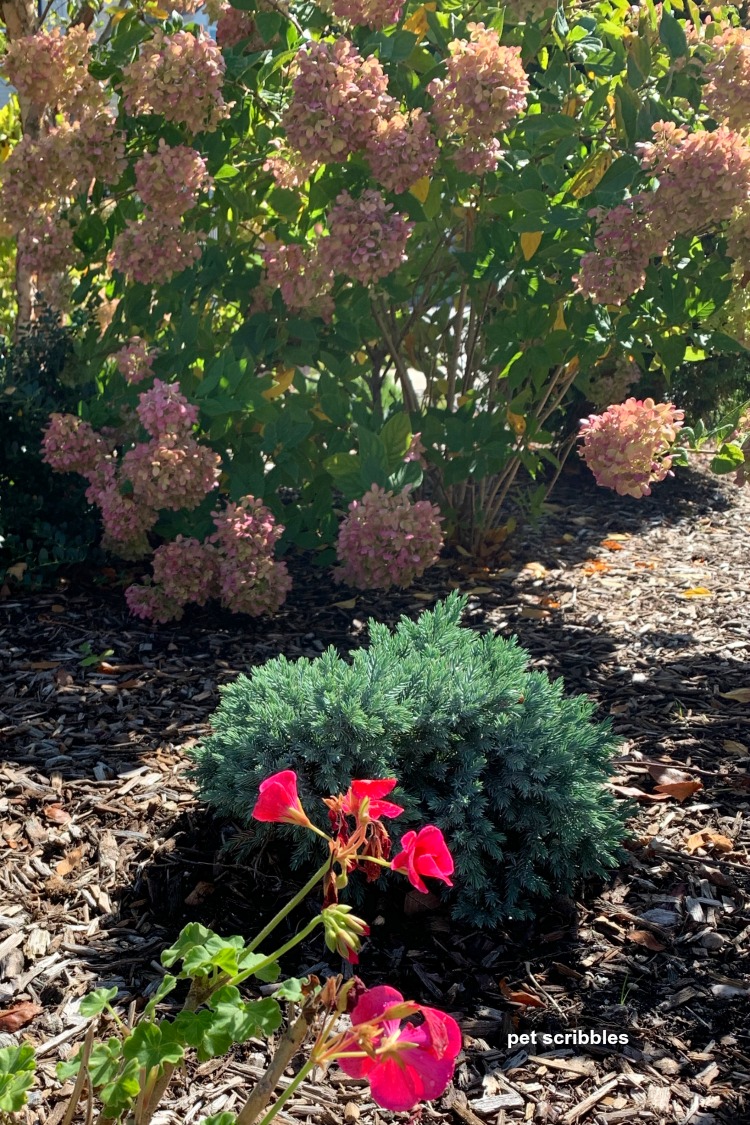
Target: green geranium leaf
x=151, y=1051
x=292, y=990
x=97, y=1001
x=119, y=1094
x=17, y=1071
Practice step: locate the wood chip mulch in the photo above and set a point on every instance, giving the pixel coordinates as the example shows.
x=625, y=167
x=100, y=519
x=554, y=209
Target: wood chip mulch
x=106, y=851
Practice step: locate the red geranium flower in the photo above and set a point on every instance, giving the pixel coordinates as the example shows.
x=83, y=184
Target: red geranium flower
x=424, y=853
x=278, y=802
x=359, y=792
x=404, y=1064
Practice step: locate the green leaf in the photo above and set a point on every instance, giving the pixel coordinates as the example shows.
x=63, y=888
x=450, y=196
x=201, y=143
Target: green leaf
x=147, y=1047
x=672, y=35
x=96, y=1002
x=346, y=470
x=226, y=172
x=396, y=438
x=223, y=1118
x=292, y=990
x=373, y=457
x=17, y=1072
x=119, y=1094
x=192, y=936
x=728, y=459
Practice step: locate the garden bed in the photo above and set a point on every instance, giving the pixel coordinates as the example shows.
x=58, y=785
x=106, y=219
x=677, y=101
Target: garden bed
x=106, y=852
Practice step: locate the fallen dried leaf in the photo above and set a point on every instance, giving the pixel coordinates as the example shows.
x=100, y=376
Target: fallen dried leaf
x=706, y=838
x=536, y=568
x=612, y=544
x=596, y=566
x=526, y=999
x=739, y=695
x=57, y=814
x=13, y=1019
x=69, y=862
x=696, y=592
x=534, y=614
x=733, y=747
x=348, y=604
x=680, y=790
x=645, y=565
x=200, y=892
x=638, y=794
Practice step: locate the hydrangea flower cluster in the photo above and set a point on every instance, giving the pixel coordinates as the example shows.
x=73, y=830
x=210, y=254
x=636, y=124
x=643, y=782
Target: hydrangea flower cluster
x=627, y=447
x=135, y=360
x=233, y=26
x=702, y=179
x=51, y=69
x=169, y=180
x=40, y=172
x=301, y=275
x=612, y=383
x=164, y=410
x=235, y=564
x=401, y=150
x=738, y=238
x=171, y=472
x=186, y=568
x=288, y=169
x=376, y=14
x=367, y=239
x=727, y=74
x=387, y=541
x=47, y=244
x=71, y=445
x=484, y=90
x=179, y=76
x=152, y=250
x=337, y=99
x=627, y=237
x=703, y=176
x=250, y=579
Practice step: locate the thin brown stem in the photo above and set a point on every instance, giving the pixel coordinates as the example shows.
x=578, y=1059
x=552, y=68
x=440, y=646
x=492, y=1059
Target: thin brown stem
x=81, y=1077
x=290, y=1043
x=410, y=397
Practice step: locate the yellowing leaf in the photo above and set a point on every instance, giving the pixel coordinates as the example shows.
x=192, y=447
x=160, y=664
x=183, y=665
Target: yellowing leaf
x=418, y=24
x=348, y=604
x=283, y=383
x=696, y=592
x=570, y=106
x=572, y=366
x=530, y=240
x=318, y=413
x=739, y=695
x=421, y=189
x=517, y=421
x=559, y=325
x=590, y=173
x=733, y=747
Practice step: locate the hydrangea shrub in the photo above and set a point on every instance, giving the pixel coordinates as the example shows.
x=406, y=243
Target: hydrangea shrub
x=509, y=767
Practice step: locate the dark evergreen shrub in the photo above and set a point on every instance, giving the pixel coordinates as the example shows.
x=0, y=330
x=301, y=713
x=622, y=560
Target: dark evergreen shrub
x=45, y=520
x=509, y=767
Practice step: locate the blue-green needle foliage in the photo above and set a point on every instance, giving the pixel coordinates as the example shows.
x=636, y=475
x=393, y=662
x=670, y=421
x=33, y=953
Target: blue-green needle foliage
x=510, y=768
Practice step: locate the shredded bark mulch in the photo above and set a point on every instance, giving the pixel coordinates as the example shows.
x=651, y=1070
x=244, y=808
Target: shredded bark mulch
x=106, y=851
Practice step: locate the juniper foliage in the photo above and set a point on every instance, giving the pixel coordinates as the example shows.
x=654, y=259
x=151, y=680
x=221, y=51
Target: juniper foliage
x=510, y=768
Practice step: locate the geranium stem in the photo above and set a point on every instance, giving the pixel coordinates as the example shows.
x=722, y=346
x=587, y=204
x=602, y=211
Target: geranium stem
x=309, y=885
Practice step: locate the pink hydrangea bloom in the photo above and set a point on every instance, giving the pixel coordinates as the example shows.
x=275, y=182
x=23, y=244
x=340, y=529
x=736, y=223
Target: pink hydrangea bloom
x=233, y=26
x=337, y=99
x=703, y=177
x=401, y=150
x=170, y=179
x=171, y=472
x=367, y=239
x=151, y=603
x=727, y=90
x=250, y=579
x=71, y=445
x=47, y=244
x=186, y=570
x=368, y=13
x=288, y=169
x=386, y=540
x=135, y=360
x=164, y=411
x=476, y=159
x=627, y=447
x=416, y=450
x=627, y=237
x=152, y=250
x=51, y=69
x=125, y=517
x=302, y=276
x=180, y=77
x=484, y=91
x=42, y=171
